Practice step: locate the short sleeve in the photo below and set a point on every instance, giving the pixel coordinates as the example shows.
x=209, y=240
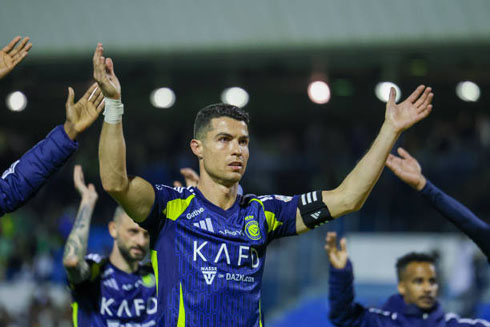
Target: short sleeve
x=280, y=214
x=155, y=220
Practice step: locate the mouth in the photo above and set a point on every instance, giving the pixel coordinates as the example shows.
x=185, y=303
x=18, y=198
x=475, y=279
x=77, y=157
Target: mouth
x=427, y=299
x=138, y=251
x=235, y=165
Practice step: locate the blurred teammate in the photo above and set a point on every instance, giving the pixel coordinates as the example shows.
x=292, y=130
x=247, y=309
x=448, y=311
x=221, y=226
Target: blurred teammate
x=208, y=242
x=115, y=291
x=25, y=176
x=415, y=304
x=408, y=170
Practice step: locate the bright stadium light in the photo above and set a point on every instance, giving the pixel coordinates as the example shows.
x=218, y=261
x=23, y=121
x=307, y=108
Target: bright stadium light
x=468, y=91
x=319, y=92
x=382, y=91
x=16, y=101
x=162, y=98
x=235, y=96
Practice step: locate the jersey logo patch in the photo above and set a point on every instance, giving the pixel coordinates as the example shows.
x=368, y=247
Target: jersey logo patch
x=316, y=214
x=205, y=224
x=209, y=273
x=252, y=229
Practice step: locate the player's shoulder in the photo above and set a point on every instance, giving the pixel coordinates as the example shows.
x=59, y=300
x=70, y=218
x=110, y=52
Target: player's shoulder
x=97, y=264
x=174, y=192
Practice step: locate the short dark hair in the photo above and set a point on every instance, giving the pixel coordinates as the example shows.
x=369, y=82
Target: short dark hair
x=408, y=258
x=204, y=116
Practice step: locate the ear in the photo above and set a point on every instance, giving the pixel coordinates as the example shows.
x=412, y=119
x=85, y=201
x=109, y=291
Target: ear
x=401, y=288
x=196, y=147
x=112, y=229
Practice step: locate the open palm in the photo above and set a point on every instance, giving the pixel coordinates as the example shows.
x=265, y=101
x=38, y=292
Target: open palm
x=407, y=169
x=338, y=257
x=82, y=114
x=415, y=108
x=11, y=54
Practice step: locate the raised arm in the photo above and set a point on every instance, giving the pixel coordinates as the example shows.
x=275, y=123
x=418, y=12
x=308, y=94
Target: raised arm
x=77, y=269
x=12, y=54
x=26, y=176
x=134, y=194
x=409, y=171
x=351, y=194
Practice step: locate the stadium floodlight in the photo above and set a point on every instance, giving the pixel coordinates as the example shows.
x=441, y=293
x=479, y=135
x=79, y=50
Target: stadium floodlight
x=16, y=101
x=468, y=91
x=163, y=97
x=319, y=92
x=382, y=91
x=235, y=96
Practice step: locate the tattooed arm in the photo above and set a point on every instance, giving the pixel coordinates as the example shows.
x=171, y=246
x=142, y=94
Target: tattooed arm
x=76, y=267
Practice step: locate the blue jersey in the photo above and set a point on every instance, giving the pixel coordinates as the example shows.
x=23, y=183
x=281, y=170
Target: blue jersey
x=208, y=261
x=114, y=298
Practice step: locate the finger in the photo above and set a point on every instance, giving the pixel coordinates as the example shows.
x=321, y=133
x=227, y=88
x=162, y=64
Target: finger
x=18, y=57
x=99, y=99
x=11, y=44
x=110, y=66
x=423, y=97
x=177, y=184
x=99, y=50
x=415, y=95
x=76, y=173
x=20, y=47
x=332, y=240
x=421, y=115
x=101, y=106
x=71, y=97
x=404, y=154
x=426, y=103
x=393, y=163
x=392, y=98
x=343, y=244
x=90, y=91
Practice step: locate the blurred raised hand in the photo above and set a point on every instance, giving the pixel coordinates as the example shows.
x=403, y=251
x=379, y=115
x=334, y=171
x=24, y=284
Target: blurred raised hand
x=12, y=54
x=407, y=169
x=190, y=176
x=87, y=192
x=104, y=74
x=338, y=257
x=82, y=114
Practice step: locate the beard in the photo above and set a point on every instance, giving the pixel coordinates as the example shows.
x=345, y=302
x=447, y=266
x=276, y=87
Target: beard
x=127, y=255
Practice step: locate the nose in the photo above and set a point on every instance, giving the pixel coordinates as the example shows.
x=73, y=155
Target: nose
x=236, y=148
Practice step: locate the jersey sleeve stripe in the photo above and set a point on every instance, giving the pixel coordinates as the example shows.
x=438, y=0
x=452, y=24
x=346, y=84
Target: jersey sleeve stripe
x=74, y=316
x=175, y=208
x=181, y=319
x=154, y=263
x=272, y=222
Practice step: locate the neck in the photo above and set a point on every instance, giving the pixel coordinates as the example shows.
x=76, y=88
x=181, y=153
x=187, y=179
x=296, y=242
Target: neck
x=117, y=259
x=217, y=193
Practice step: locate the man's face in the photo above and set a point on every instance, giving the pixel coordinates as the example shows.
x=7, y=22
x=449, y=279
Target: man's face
x=132, y=240
x=225, y=150
x=419, y=285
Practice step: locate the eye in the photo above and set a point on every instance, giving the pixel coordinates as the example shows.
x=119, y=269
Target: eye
x=243, y=141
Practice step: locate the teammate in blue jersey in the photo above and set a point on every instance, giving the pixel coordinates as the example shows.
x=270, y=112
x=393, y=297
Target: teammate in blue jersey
x=408, y=170
x=117, y=291
x=415, y=304
x=209, y=243
x=26, y=176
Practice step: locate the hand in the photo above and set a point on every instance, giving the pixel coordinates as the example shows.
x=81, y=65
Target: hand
x=338, y=258
x=104, y=74
x=415, y=108
x=11, y=55
x=87, y=193
x=190, y=176
x=80, y=115
x=407, y=169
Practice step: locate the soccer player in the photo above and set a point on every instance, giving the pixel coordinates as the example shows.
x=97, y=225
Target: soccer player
x=415, y=304
x=26, y=176
x=409, y=171
x=115, y=291
x=209, y=243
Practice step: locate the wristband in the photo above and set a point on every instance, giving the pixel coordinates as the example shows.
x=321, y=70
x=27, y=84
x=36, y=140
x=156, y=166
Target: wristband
x=113, y=111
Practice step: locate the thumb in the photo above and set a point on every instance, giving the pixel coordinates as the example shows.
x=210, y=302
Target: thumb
x=110, y=66
x=392, y=97
x=71, y=97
